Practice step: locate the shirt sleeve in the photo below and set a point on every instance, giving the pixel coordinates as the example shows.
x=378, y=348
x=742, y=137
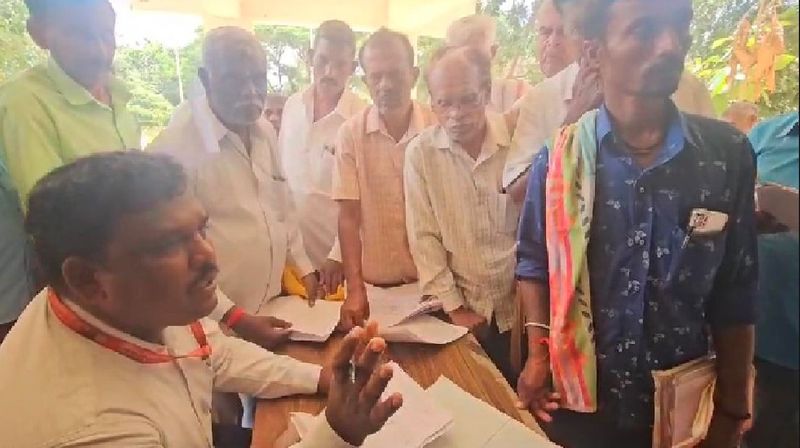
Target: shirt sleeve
x=532, y=247
x=345, y=168
x=29, y=141
x=322, y=436
x=529, y=135
x=424, y=235
x=733, y=297
x=243, y=367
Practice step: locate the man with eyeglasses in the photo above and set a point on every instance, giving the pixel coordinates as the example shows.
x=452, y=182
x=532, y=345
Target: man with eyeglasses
x=461, y=228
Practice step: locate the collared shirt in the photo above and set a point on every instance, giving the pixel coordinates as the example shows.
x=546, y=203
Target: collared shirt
x=544, y=108
x=654, y=292
x=91, y=396
x=369, y=168
x=47, y=120
x=506, y=92
x=776, y=146
x=252, y=220
x=462, y=230
x=15, y=281
x=307, y=149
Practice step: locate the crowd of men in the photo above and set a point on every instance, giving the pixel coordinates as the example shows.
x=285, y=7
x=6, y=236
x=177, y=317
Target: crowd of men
x=131, y=278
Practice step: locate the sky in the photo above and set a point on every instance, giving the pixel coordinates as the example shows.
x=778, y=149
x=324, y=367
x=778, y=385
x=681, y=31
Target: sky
x=171, y=30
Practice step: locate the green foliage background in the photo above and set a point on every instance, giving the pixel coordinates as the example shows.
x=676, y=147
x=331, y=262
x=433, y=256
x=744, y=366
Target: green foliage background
x=151, y=70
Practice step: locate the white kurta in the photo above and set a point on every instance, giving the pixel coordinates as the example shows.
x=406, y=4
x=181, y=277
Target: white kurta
x=307, y=151
x=252, y=223
x=62, y=390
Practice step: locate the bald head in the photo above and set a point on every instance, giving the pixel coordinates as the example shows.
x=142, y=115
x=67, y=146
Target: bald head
x=556, y=48
x=477, y=31
x=234, y=74
x=459, y=81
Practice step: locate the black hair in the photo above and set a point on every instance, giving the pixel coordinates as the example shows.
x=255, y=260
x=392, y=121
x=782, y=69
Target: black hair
x=336, y=32
x=382, y=37
x=73, y=211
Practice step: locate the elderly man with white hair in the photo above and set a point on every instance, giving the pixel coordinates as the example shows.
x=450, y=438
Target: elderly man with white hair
x=480, y=32
x=230, y=153
x=562, y=99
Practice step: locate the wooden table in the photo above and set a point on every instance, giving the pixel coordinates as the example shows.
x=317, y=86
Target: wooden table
x=463, y=361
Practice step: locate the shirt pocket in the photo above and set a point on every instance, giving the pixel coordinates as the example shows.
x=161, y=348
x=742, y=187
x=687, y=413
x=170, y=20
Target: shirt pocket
x=275, y=196
x=695, y=262
x=503, y=212
x=323, y=171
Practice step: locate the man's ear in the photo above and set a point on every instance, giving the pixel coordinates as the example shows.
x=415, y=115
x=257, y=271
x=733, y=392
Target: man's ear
x=81, y=280
x=202, y=74
x=38, y=32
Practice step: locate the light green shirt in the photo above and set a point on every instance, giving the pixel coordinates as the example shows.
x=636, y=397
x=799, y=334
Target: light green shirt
x=47, y=120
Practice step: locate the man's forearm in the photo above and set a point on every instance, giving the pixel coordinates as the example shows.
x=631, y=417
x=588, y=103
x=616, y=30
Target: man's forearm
x=350, y=241
x=734, y=347
x=535, y=296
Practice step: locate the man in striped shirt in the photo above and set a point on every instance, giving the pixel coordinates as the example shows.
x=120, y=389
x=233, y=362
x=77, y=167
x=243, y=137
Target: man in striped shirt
x=461, y=227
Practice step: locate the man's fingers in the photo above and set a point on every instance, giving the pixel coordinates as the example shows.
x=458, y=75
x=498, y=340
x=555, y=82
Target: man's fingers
x=370, y=332
x=279, y=323
x=368, y=360
x=385, y=409
x=340, y=363
x=542, y=415
x=375, y=386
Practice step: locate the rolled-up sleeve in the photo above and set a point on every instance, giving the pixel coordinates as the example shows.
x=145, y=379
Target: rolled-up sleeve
x=532, y=247
x=733, y=298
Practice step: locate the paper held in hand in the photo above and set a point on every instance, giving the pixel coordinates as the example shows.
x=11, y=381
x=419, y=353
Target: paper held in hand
x=780, y=202
x=416, y=424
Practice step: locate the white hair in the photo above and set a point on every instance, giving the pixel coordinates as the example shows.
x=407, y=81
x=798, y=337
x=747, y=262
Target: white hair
x=220, y=41
x=472, y=29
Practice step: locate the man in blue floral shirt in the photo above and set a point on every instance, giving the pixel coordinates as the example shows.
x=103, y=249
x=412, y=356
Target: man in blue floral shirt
x=662, y=292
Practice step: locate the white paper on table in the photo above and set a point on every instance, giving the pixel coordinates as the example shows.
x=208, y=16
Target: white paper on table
x=391, y=306
x=312, y=324
x=780, y=202
x=423, y=330
x=416, y=424
x=477, y=424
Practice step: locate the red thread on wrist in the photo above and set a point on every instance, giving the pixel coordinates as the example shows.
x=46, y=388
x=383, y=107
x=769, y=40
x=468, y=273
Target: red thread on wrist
x=236, y=314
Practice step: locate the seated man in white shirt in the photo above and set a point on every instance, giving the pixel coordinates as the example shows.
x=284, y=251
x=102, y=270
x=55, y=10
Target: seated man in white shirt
x=564, y=97
x=462, y=230
x=116, y=351
x=480, y=32
x=555, y=47
x=230, y=154
x=311, y=122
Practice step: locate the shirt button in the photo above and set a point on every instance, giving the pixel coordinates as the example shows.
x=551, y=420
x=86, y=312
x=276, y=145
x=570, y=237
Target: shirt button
x=641, y=189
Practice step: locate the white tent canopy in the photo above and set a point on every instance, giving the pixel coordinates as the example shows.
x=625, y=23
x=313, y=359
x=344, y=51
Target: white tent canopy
x=413, y=17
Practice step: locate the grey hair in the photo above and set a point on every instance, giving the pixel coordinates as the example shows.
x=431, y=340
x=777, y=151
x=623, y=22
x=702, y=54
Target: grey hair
x=466, y=30
x=472, y=57
x=219, y=42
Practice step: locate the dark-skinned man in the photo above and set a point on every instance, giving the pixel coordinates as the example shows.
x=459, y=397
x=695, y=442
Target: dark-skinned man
x=637, y=243
x=116, y=351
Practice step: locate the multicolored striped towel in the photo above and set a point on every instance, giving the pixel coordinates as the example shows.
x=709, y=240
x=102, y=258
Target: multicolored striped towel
x=569, y=197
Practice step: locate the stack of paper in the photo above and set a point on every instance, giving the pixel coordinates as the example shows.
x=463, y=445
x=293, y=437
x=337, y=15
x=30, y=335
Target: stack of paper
x=400, y=314
x=314, y=324
x=416, y=424
x=391, y=306
x=477, y=424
